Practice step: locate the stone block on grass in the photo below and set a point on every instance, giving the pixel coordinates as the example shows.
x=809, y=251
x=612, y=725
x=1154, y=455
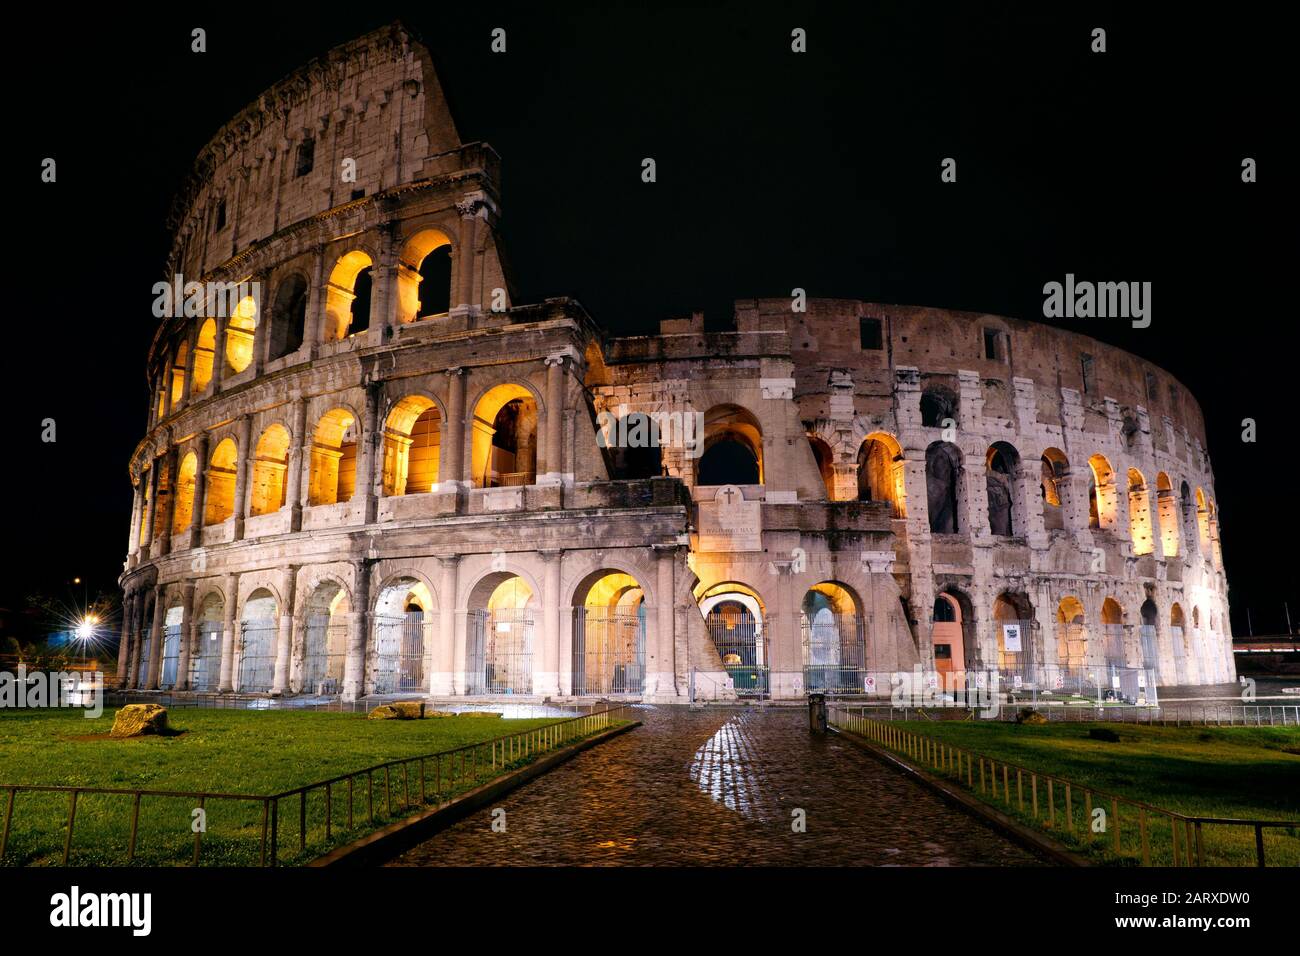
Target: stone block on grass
x=137, y=720
x=398, y=710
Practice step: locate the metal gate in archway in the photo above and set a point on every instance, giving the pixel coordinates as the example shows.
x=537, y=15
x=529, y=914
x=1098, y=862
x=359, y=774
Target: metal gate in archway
x=499, y=652
x=324, y=653
x=399, y=653
x=608, y=650
x=205, y=660
x=1017, y=657
x=834, y=652
x=170, y=657
x=741, y=644
x=257, y=656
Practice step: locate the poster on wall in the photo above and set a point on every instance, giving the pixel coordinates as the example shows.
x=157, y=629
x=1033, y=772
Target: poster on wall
x=1011, y=638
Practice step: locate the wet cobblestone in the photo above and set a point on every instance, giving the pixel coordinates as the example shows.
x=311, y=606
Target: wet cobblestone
x=719, y=787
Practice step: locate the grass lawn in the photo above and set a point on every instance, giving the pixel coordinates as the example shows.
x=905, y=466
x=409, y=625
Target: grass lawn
x=229, y=751
x=1238, y=772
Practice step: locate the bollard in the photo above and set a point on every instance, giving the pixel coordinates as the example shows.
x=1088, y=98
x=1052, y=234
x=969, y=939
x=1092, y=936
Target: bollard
x=817, y=713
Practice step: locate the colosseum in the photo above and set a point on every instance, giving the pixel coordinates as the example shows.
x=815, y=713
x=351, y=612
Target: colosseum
x=379, y=474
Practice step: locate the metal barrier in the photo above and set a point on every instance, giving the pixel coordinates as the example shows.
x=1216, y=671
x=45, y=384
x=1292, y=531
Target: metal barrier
x=435, y=777
x=1149, y=830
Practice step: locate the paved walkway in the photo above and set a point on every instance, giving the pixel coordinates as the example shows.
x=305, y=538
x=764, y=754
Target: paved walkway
x=719, y=787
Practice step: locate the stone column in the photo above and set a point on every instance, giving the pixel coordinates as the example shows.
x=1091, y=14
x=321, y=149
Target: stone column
x=468, y=241
x=284, y=640
x=219, y=354
x=137, y=639
x=243, y=436
x=146, y=544
x=546, y=681
x=444, y=658
x=225, y=683
x=156, y=637
x=314, y=330
x=171, y=461
x=298, y=453
x=452, y=460
x=844, y=481
x=187, y=385
x=200, y=490
x=369, y=453
x=189, y=636
x=974, y=504
x=661, y=656
x=137, y=513
x=354, y=666
x=554, y=421
x=124, y=643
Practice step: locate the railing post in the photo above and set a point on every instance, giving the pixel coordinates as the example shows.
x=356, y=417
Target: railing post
x=1259, y=845
x=275, y=830
x=72, y=819
x=198, y=834
x=9, y=815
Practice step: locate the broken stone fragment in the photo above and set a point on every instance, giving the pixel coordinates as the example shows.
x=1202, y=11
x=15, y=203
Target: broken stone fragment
x=136, y=720
x=398, y=710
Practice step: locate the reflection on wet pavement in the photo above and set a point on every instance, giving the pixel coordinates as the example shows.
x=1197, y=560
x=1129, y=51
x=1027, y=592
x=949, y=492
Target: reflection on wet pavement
x=720, y=787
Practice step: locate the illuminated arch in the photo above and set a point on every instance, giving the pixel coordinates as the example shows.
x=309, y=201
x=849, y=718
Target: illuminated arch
x=609, y=634
x=424, y=276
x=178, y=372
x=1139, y=513
x=1054, y=468
x=220, y=485
x=334, y=458
x=825, y=459
x=733, y=448
x=270, y=466
x=347, y=296
x=499, y=639
x=834, y=639
x=1103, y=503
x=183, y=515
x=1167, y=504
x=412, y=443
x=204, y=351
x=241, y=332
x=1071, y=633
x=503, y=449
x=880, y=472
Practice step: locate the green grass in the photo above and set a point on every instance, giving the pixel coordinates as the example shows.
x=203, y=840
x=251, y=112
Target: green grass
x=246, y=752
x=1237, y=772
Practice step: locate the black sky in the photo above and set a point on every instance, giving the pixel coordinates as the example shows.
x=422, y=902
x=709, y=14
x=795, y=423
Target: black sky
x=775, y=170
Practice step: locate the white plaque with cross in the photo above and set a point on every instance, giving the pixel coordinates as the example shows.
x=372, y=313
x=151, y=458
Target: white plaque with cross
x=730, y=523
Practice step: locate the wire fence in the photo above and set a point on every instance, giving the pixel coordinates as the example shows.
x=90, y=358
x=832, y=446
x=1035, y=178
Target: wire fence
x=116, y=826
x=1177, y=714
x=1085, y=817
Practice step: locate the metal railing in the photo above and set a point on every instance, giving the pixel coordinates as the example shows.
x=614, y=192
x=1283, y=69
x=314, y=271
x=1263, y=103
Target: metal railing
x=320, y=812
x=1151, y=835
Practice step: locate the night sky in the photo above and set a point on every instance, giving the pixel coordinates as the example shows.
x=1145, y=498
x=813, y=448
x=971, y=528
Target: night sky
x=775, y=170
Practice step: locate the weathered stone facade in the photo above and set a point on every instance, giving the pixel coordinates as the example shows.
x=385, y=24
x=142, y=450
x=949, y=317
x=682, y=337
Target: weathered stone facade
x=383, y=476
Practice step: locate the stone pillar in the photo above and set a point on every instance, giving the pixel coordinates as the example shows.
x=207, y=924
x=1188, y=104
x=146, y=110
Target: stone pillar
x=844, y=481
x=354, y=666
x=146, y=544
x=137, y=514
x=219, y=354
x=200, y=490
x=225, y=683
x=243, y=436
x=137, y=639
x=187, y=385
x=314, y=330
x=554, y=422
x=156, y=637
x=661, y=645
x=171, y=460
x=299, y=452
x=974, y=503
x=369, y=453
x=284, y=640
x=166, y=389
x=444, y=657
x=124, y=643
x=546, y=681
x=452, y=454
x=468, y=240
x=189, y=636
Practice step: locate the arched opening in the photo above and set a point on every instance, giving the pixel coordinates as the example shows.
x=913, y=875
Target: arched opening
x=205, y=656
x=834, y=640
x=1203, y=522
x=183, y=501
x=939, y=407
x=288, y=317
x=1168, y=506
x=347, y=296
x=499, y=645
x=943, y=477
x=270, y=464
x=403, y=624
x=140, y=664
x=504, y=443
x=1112, y=626
x=258, y=633
x=631, y=446
x=1189, y=514
x=325, y=639
x=1103, y=504
x=334, y=458
x=880, y=472
x=1071, y=637
x=424, y=276
x=1054, y=469
x=178, y=373
x=204, y=351
x=1139, y=513
x=609, y=633
x=825, y=459
x=1001, y=469
x=220, y=484
x=171, y=651
x=1013, y=616
x=241, y=329
x=733, y=448
x=733, y=617
x=412, y=436
x=1178, y=638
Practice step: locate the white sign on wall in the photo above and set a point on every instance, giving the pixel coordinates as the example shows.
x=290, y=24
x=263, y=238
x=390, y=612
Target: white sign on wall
x=1011, y=638
x=730, y=523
